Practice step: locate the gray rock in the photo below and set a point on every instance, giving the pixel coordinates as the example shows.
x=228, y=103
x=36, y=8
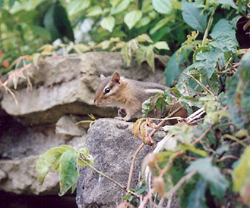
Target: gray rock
x=66, y=85
x=112, y=144
x=22, y=178
x=19, y=149
x=67, y=128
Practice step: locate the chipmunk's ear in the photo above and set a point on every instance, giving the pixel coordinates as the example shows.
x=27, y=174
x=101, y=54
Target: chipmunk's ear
x=102, y=77
x=116, y=77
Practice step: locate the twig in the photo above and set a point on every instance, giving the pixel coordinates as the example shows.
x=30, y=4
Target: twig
x=199, y=83
x=115, y=182
x=204, y=134
x=146, y=198
x=180, y=182
x=133, y=164
x=209, y=24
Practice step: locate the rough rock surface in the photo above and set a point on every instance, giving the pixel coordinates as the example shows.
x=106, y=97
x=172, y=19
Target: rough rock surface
x=112, y=144
x=66, y=84
x=62, y=94
x=19, y=149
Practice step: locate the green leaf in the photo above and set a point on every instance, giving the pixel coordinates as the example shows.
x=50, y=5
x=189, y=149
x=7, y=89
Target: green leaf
x=163, y=6
x=49, y=24
x=206, y=62
x=41, y=31
x=193, y=149
x=150, y=57
x=143, y=22
x=68, y=172
x=184, y=131
x=11, y=3
x=160, y=24
x=217, y=182
x=242, y=172
x=114, y=2
x=223, y=26
x=75, y=6
x=245, y=68
x=197, y=198
x=46, y=160
x=94, y=11
x=141, y=54
x=132, y=18
x=161, y=45
x=120, y=7
x=228, y=2
x=241, y=182
x=172, y=70
x=237, y=94
x=193, y=17
x=1, y=4
x=108, y=23
x=143, y=38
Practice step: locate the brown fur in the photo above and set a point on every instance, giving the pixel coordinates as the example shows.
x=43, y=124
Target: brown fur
x=127, y=94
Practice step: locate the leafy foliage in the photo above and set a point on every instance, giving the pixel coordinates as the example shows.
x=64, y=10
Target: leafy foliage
x=196, y=160
x=63, y=159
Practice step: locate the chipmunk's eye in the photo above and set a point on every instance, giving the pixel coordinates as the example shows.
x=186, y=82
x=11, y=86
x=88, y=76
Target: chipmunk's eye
x=107, y=90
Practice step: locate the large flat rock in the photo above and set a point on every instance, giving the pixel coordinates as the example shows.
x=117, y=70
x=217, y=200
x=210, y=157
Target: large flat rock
x=66, y=85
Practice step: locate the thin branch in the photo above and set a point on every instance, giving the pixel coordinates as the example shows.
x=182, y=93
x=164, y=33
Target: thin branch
x=209, y=24
x=199, y=83
x=133, y=165
x=180, y=182
x=204, y=134
x=146, y=198
x=115, y=182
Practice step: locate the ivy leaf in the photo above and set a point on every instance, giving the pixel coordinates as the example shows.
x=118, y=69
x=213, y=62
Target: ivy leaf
x=217, y=182
x=132, y=18
x=193, y=17
x=68, y=172
x=163, y=6
x=46, y=160
x=108, y=23
x=197, y=198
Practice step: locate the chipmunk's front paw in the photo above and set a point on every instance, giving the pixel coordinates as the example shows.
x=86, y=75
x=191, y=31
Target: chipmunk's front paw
x=122, y=112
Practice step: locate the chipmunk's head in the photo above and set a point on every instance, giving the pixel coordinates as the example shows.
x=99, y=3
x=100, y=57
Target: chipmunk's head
x=109, y=90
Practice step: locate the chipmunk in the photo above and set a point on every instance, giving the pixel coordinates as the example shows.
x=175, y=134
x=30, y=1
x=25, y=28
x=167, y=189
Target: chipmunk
x=129, y=95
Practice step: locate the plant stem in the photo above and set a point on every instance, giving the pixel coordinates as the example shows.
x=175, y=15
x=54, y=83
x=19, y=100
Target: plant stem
x=210, y=21
x=115, y=182
x=199, y=83
x=133, y=164
x=234, y=139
